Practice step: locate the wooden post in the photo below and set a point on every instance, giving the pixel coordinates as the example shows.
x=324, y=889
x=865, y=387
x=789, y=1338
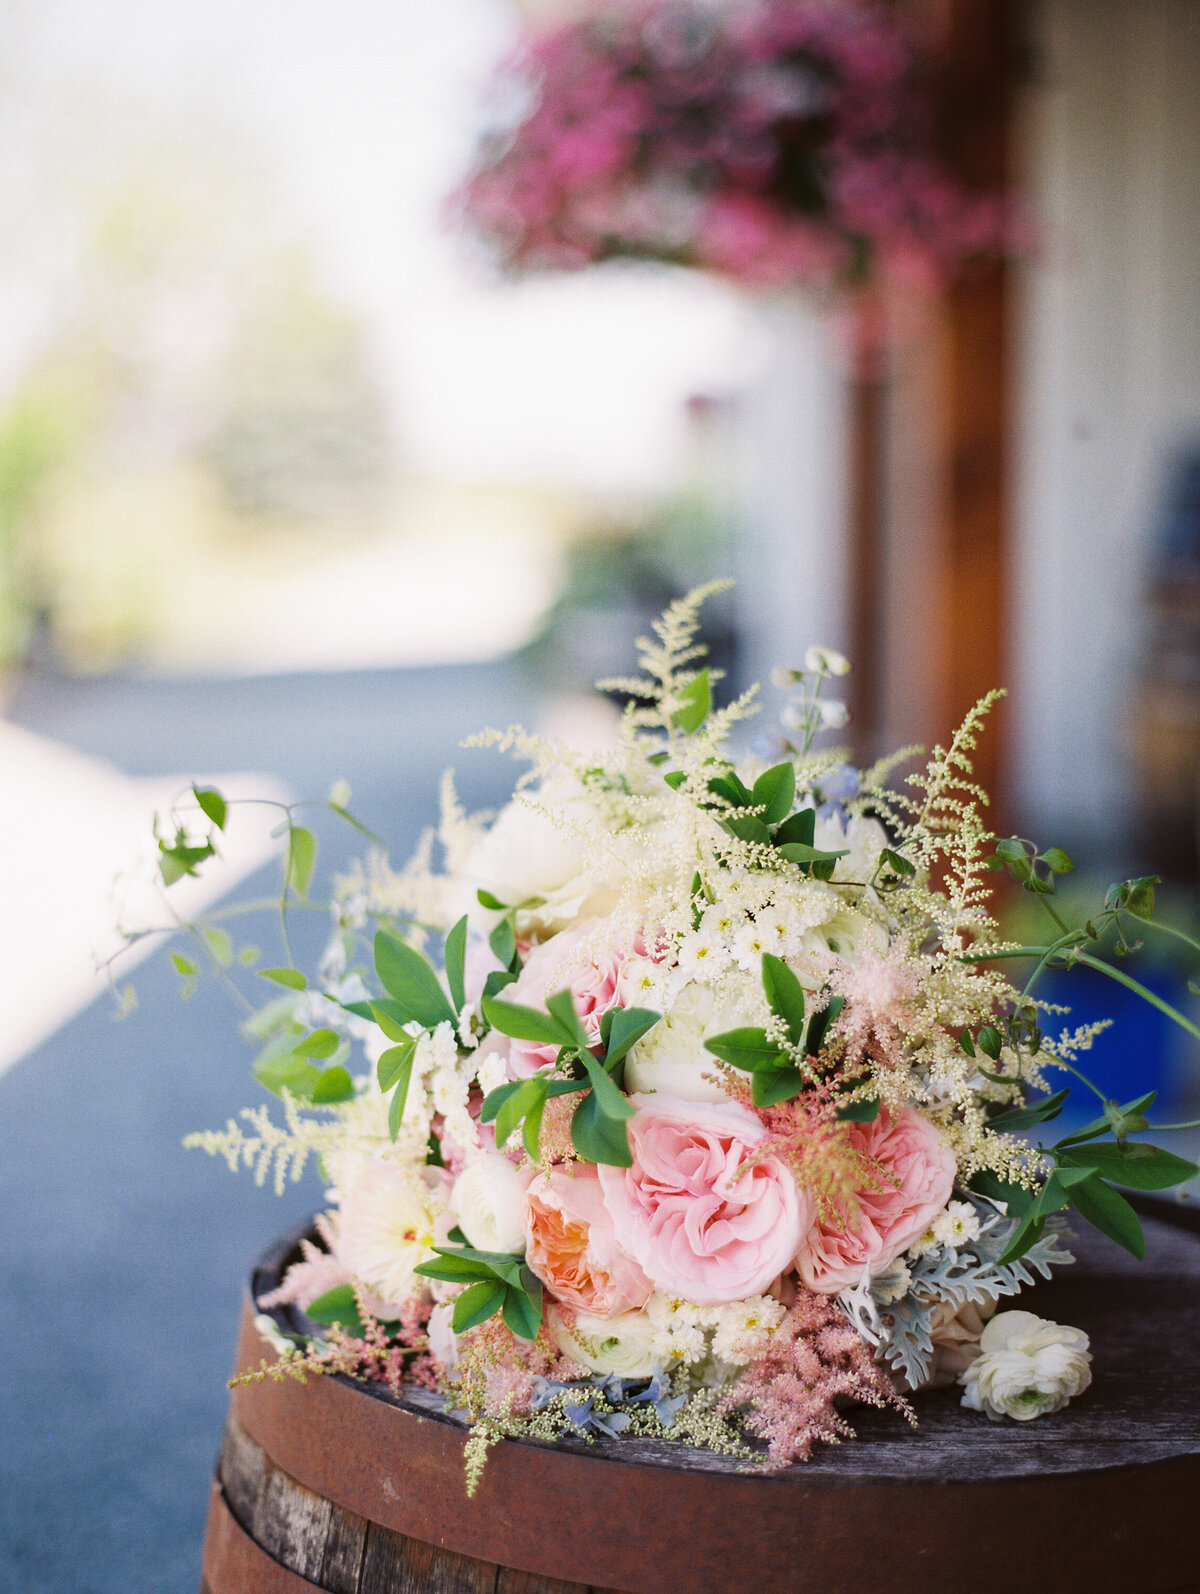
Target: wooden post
x=928, y=537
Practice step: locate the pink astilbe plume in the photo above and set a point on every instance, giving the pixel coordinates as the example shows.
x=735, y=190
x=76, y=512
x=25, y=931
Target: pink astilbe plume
x=808, y=1138
x=787, y=1396
x=880, y=990
x=395, y=1356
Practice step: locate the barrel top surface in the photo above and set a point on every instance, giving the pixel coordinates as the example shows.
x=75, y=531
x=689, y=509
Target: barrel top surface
x=1143, y=1319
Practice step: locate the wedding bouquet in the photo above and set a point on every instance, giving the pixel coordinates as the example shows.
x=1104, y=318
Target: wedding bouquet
x=776, y=142
x=686, y=1097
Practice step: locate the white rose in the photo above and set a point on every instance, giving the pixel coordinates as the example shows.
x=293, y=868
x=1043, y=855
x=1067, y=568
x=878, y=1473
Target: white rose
x=489, y=1202
x=443, y=1341
x=1026, y=1367
x=620, y=1345
x=671, y=1058
x=526, y=855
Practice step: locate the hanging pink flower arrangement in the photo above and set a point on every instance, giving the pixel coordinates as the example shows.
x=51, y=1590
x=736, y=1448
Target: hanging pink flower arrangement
x=777, y=142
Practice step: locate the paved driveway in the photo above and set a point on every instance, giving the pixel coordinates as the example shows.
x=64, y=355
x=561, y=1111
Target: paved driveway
x=121, y=1255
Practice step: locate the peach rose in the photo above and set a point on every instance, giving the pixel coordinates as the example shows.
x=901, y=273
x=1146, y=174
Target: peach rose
x=698, y=1225
x=593, y=979
x=570, y=1245
x=918, y=1170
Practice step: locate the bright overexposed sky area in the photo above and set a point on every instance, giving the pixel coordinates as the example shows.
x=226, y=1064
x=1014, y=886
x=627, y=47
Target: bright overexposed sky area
x=364, y=113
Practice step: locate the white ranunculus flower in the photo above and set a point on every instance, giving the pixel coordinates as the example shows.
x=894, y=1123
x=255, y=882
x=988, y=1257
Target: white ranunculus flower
x=489, y=1203
x=620, y=1345
x=526, y=856
x=1026, y=1367
x=671, y=1058
x=862, y=840
x=386, y=1227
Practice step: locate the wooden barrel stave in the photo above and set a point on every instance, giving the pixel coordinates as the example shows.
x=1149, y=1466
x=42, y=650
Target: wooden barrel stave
x=315, y=1544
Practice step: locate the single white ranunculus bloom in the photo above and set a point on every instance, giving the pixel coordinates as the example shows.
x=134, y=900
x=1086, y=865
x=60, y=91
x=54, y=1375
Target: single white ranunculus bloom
x=672, y=1058
x=1026, y=1367
x=489, y=1202
x=622, y=1345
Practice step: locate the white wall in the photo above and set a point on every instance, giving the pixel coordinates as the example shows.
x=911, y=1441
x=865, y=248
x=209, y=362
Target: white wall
x=1108, y=385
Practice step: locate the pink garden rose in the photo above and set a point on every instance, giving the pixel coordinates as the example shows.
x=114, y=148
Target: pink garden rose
x=697, y=1227
x=569, y=960
x=918, y=1176
x=570, y=1244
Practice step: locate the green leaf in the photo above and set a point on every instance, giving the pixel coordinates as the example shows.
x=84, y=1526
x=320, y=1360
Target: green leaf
x=392, y=1019
x=292, y=978
x=800, y=852
x=395, y=1064
x=860, y=1112
x=1011, y=849
x=776, y=790
x=301, y=858
x=747, y=1048
x=785, y=995
x=497, y=980
x=503, y=942
x=990, y=1041
x=337, y=1308
x=598, y=1138
x=495, y=1099
x=493, y=904
x=1100, y=1205
x=897, y=863
x=455, y=957
x=1056, y=859
x=800, y=828
x=212, y=804
x=409, y=978
x=1015, y=1196
x=695, y=704
x=524, y=1023
x=675, y=778
x=531, y=1129
x=219, y=944
x=626, y=1027
x=770, y=1086
x=528, y=1096
x=1026, y=1117
x=1129, y=1114
x=397, y=1104
x=179, y=860
x=477, y=1303
x=321, y=1043
x=453, y=1268
x=334, y=1085
x=184, y=965
x=611, y=1101
x=561, y=1006
x=1137, y=1165
x=967, y=1044
x=279, y=1070
x=818, y=1025
x=747, y=828
x=522, y=1313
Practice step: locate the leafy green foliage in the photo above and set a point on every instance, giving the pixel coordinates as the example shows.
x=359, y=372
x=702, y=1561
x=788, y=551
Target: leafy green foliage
x=410, y=981
x=212, y=804
x=496, y=1282
x=301, y=859
x=291, y=978
x=337, y=1308
x=598, y=1130
x=1017, y=1118
x=454, y=957
x=785, y=995
x=695, y=703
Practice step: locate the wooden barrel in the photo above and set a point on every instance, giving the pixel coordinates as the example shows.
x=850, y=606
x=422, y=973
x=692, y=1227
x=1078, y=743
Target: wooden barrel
x=336, y=1486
